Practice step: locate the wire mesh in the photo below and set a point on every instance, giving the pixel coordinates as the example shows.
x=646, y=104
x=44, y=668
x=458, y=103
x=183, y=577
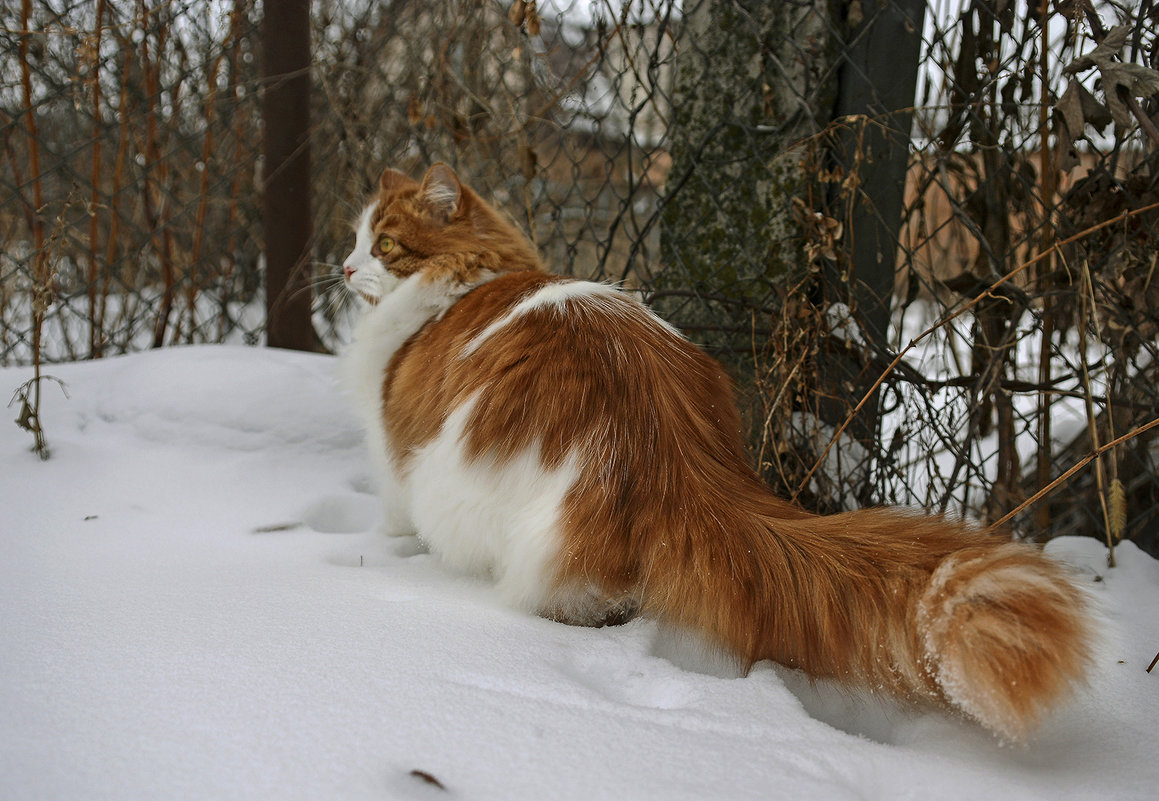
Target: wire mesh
x=997, y=229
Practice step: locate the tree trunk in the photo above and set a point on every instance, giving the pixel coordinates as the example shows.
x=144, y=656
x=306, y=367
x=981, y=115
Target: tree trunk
x=750, y=90
x=756, y=83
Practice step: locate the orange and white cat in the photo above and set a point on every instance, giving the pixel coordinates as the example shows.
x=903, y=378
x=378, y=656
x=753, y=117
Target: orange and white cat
x=559, y=437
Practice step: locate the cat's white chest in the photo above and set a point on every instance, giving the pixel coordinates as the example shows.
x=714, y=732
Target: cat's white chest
x=363, y=371
x=378, y=335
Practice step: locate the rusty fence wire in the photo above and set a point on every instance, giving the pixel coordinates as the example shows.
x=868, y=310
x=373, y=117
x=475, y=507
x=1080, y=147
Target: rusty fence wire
x=922, y=235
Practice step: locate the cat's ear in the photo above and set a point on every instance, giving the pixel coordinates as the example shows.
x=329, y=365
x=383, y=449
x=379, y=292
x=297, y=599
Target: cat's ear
x=442, y=191
x=392, y=180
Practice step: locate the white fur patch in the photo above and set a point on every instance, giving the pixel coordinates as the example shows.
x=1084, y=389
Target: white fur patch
x=367, y=278
x=483, y=517
x=378, y=335
x=555, y=295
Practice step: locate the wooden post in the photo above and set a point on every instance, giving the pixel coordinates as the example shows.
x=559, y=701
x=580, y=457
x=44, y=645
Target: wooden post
x=286, y=150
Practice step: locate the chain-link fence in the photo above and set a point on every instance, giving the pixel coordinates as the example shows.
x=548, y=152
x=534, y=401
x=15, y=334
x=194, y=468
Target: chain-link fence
x=948, y=303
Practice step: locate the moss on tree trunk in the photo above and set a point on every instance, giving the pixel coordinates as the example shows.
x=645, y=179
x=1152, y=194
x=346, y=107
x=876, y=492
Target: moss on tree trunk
x=754, y=83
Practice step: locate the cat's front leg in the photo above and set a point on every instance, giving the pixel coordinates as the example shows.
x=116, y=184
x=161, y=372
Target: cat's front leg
x=391, y=486
x=396, y=517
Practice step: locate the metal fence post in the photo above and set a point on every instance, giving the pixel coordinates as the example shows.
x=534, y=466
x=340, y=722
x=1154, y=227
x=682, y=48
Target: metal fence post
x=872, y=117
x=286, y=149
x=877, y=80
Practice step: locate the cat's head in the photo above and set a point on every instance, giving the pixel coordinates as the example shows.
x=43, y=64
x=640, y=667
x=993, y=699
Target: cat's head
x=439, y=229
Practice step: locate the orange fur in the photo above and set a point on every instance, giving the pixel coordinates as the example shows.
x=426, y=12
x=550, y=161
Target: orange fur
x=667, y=518
x=456, y=248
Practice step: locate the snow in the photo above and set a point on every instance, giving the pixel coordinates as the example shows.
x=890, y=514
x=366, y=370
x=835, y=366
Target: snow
x=195, y=604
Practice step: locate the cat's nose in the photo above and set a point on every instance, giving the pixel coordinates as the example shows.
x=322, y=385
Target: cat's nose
x=348, y=271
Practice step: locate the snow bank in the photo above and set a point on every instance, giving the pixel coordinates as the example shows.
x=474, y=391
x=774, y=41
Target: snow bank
x=194, y=604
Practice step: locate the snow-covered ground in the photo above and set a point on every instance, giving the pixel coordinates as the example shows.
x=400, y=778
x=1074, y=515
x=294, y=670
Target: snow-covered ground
x=194, y=604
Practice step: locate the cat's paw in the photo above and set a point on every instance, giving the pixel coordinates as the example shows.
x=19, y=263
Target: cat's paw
x=396, y=524
x=409, y=547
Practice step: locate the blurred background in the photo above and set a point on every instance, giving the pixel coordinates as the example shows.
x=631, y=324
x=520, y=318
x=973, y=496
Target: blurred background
x=921, y=235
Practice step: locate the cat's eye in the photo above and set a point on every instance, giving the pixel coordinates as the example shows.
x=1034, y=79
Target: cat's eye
x=385, y=244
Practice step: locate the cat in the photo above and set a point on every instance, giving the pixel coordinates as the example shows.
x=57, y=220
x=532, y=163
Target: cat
x=558, y=436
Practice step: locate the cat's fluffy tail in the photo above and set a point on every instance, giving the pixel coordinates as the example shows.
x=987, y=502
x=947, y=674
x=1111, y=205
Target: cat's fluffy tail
x=913, y=605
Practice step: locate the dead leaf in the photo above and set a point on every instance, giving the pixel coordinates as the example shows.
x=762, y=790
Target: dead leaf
x=1117, y=509
x=1105, y=50
x=1094, y=112
x=855, y=15
x=516, y=13
x=1070, y=106
x=428, y=778
x=27, y=418
x=1118, y=77
x=528, y=161
x=1076, y=109
x=1135, y=79
x=532, y=19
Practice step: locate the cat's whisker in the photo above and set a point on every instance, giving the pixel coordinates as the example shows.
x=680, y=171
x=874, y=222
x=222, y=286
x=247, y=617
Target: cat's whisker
x=329, y=296
x=327, y=283
x=338, y=300
x=326, y=291
x=323, y=283
x=309, y=288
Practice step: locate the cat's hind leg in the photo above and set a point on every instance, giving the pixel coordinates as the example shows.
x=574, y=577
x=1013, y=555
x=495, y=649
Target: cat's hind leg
x=589, y=605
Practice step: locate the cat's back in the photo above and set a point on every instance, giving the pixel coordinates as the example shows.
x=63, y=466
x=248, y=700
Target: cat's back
x=555, y=361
